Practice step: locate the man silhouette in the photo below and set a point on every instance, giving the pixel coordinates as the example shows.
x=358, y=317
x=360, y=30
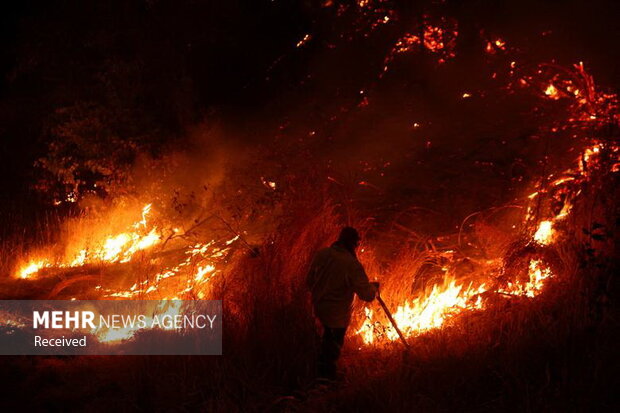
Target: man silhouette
x=335, y=276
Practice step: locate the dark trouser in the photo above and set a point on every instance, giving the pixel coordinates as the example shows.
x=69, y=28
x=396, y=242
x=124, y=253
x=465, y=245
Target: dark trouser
x=331, y=343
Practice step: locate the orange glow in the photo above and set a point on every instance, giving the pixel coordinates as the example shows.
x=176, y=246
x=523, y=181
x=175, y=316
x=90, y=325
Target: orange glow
x=433, y=38
x=405, y=43
x=552, y=92
x=496, y=44
x=544, y=234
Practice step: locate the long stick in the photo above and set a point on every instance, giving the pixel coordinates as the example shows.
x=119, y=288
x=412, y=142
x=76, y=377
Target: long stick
x=389, y=316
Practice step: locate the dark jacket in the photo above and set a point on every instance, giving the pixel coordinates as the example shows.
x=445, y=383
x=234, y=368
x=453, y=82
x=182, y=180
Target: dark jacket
x=334, y=277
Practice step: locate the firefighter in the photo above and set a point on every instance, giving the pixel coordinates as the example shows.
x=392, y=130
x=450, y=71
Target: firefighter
x=335, y=276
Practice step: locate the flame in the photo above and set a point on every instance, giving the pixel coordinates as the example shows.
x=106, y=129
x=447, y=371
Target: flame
x=537, y=273
x=446, y=301
x=145, y=212
x=544, y=234
x=202, y=256
x=114, y=248
x=451, y=298
x=32, y=268
x=428, y=312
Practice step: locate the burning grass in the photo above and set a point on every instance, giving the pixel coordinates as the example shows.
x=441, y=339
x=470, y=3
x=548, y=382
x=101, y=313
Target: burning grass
x=522, y=351
x=441, y=301
x=516, y=346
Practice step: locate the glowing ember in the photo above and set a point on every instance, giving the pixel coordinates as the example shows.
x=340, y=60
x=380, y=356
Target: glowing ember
x=435, y=39
x=269, y=184
x=552, y=92
x=491, y=47
x=588, y=155
x=406, y=43
x=304, y=40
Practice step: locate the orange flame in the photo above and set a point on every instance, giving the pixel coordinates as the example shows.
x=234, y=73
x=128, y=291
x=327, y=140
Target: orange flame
x=425, y=313
x=115, y=248
x=537, y=273
x=544, y=234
